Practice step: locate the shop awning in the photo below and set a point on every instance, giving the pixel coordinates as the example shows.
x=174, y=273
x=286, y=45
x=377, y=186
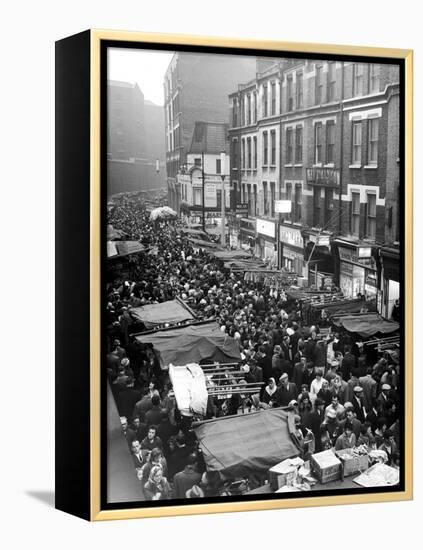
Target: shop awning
x=118, y=249
x=192, y=344
x=152, y=315
x=239, y=445
x=366, y=324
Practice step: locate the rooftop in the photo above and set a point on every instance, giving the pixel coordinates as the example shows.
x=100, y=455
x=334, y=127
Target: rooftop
x=209, y=137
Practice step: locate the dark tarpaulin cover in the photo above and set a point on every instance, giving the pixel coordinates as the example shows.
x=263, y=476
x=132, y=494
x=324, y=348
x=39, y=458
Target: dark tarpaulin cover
x=153, y=315
x=238, y=445
x=196, y=232
x=192, y=344
x=367, y=324
x=228, y=255
x=246, y=265
x=346, y=306
x=202, y=244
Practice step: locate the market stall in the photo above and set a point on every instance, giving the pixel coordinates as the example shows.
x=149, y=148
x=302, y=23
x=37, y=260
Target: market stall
x=120, y=249
x=199, y=243
x=248, y=444
x=155, y=315
x=196, y=233
x=194, y=343
x=228, y=255
x=115, y=234
x=366, y=324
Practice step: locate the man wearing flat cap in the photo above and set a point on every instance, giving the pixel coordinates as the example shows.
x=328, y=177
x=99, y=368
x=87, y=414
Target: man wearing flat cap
x=286, y=392
x=358, y=404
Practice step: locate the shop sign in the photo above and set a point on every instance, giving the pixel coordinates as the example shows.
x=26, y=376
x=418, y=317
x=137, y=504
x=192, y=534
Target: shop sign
x=242, y=207
x=283, y=207
x=210, y=195
x=290, y=235
x=326, y=177
x=371, y=280
x=364, y=252
x=353, y=257
x=291, y=255
x=320, y=240
x=266, y=228
x=346, y=269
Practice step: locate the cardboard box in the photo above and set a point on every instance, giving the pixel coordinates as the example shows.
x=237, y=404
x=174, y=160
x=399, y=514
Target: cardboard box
x=326, y=466
x=352, y=463
x=285, y=473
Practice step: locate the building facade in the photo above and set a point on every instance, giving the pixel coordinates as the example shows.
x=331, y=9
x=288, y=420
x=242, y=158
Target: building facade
x=196, y=88
x=135, y=157
x=204, y=172
x=327, y=136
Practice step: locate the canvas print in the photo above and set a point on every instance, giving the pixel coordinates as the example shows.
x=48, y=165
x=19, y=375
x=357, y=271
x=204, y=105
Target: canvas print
x=252, y=313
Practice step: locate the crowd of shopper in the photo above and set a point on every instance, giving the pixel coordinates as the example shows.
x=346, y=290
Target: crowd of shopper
x=342, y=392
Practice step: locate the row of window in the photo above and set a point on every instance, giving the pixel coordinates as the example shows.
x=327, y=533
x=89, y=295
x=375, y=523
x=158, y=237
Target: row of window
x=295, y=97
x=324, y=149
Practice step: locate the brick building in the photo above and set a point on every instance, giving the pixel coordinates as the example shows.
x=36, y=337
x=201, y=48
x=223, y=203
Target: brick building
x=196, y=88
x=336, y=132
x=135, y=153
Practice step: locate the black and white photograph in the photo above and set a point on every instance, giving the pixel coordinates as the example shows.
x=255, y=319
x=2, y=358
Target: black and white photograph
x=252, y=279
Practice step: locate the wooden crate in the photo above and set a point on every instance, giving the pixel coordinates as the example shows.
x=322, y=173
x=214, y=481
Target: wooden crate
x=326, y=466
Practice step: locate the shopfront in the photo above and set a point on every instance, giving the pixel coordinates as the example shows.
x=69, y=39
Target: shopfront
x=266, y=240
x=291, y=249
x=390, y=280
x=247, y=233
x=358, y=271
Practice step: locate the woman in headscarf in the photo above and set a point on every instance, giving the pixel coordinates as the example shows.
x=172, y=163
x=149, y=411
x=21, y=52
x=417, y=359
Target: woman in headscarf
x=157, y=486
x=269, y=391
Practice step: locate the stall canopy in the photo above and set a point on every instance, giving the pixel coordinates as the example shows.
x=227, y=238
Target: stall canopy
x=366, y=324
x=238, y=445
x=115, y=234
x=246, y=264
x=227, y=255
x=118, y=249
x=153, y=315
x=202, y=244
x=194, y=232
x=192, y=344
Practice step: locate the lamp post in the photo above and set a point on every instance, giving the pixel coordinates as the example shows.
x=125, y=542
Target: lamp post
x=223, y=197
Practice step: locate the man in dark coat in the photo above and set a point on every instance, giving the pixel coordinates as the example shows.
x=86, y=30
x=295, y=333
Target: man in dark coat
x=349, y=363
x=358, y=404
x=126, y=400
x=286, y=392
x=154, y=415
x=298, y=372
x=184, y=480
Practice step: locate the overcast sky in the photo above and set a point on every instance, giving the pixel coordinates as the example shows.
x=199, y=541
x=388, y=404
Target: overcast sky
x=145, y=67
